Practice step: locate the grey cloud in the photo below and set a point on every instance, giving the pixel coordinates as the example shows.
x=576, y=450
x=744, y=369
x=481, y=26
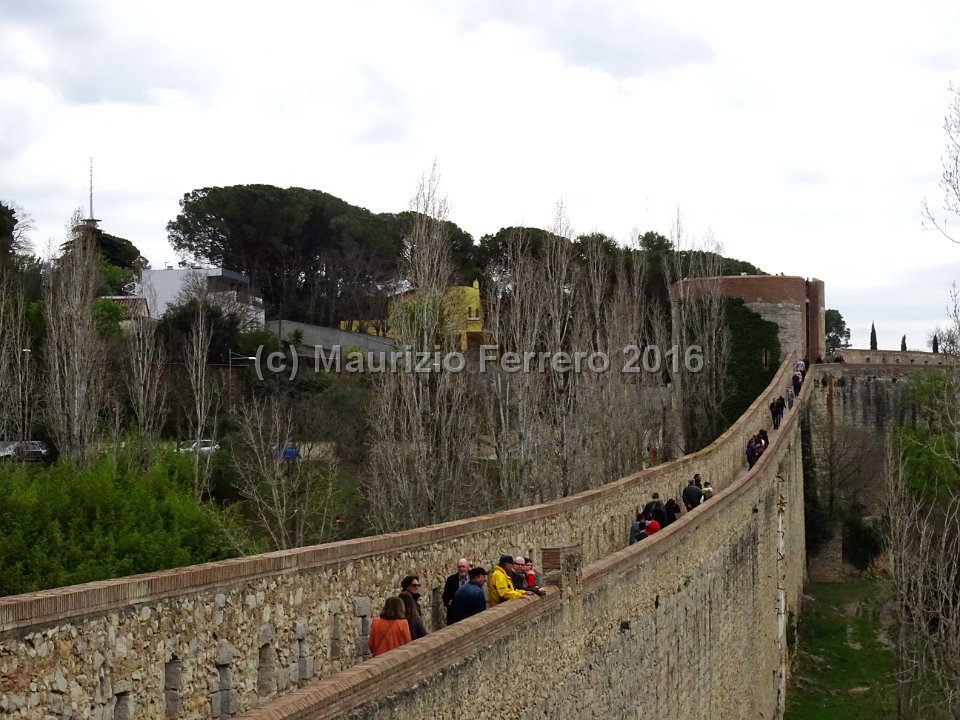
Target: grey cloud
x=93, y=63
x=388, y=119
x=805, y=176
x=614, y=38
x=940, y=60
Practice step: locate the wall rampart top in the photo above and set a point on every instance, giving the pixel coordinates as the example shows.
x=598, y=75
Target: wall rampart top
x=412, y=664
x=59, y=604
x=788, y=289
x=854, y=356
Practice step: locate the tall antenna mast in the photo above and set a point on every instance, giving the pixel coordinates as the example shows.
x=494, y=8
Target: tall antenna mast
x=91, y=221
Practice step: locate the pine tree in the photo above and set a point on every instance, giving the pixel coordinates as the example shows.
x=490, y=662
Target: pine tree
x=873, y=337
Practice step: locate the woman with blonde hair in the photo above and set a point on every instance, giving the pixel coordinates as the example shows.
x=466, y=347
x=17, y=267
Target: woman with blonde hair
x=390, y=630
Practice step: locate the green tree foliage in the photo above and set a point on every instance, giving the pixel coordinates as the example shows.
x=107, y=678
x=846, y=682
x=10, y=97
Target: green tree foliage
x=121, y=262
x=176, y=322
x=14, y=228
x=873, y=337
x=315, y=257
x=931, y=445
x=62, y=527
x=838, y=334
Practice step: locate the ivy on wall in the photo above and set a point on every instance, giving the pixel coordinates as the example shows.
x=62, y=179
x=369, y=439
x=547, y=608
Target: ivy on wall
x=754, y=358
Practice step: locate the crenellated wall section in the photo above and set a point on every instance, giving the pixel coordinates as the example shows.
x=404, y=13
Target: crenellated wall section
x=694, y=616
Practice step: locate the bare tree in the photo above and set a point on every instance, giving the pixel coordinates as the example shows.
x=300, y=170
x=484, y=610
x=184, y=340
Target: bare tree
x=847, y=458
x=73, y=350
x=923, y=542
x=144, y=381
x=515, y=318
x=289, y=488
x=421, y=467
x=16, y=362
x=204, y=395
x=699, y=321
x=950, y=177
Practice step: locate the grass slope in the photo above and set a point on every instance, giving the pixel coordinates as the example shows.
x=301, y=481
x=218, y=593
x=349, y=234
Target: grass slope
x=844, y=668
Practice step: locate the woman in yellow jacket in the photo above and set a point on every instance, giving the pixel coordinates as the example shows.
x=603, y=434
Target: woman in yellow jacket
x=500, y=585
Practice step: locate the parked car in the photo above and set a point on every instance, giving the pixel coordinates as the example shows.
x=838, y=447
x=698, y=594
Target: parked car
x=204, y=447
x=26, y=451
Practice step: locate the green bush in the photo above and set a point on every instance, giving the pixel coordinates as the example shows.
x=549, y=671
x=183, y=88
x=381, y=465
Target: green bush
x=62, y=527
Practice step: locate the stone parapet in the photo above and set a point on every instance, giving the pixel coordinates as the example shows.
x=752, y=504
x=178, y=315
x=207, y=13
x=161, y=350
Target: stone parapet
x=216, y=639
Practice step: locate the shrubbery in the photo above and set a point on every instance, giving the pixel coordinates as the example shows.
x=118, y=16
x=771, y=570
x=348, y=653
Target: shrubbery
x=61, y=526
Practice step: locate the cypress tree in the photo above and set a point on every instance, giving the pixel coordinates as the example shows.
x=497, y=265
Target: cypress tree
x=936, y=343
x=903, y=344
x=873, y=337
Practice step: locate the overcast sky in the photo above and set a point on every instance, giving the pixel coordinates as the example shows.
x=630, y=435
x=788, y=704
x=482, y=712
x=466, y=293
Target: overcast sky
x=804, y=137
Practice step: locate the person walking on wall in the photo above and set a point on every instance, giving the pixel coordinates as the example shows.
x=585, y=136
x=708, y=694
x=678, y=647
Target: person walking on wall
x=672, y=511
x=390, y=630
x=692, y=495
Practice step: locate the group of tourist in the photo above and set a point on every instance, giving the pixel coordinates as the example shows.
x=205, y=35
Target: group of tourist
x=778, y=408
x=467, y=592
x=656, y=514
x=756, y=446
x=464, y=595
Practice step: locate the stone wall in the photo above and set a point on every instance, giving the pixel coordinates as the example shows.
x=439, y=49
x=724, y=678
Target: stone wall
x=854, y=356
x=213, y=640
x=794, y=303
x=689, y=624
x=851, y=408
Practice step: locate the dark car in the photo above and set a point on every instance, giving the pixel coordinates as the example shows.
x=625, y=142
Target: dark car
x=26, y=451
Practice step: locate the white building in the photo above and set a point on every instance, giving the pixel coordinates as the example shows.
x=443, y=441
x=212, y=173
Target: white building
x=228, y=289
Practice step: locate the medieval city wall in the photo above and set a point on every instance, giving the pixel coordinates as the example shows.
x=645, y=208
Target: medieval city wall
x=850, y=409
x=216, y=639
x=688, y=624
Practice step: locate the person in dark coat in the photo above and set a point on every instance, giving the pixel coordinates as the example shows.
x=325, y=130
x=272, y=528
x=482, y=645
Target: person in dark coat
x=672, y=511
x=636, y=527
x=469, y=599
x=692, y=495
x=454, y=582
x=653, y=510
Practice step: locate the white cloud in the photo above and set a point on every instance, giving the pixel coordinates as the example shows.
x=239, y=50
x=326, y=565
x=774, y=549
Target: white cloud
x=806, y=146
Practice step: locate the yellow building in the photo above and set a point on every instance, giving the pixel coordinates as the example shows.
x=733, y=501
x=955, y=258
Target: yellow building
x=464, y=309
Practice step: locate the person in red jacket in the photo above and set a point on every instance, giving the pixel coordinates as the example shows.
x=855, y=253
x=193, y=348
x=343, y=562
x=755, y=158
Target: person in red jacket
x=391, y=629
x=652, y=527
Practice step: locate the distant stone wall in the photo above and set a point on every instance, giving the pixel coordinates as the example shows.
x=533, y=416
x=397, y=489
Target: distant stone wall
x=215, y=639
x=897, y=357
x=851, y=408
x=689, y=624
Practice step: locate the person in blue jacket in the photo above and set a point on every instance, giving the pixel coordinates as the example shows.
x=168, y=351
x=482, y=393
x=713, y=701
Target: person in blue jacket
x=470, y=599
